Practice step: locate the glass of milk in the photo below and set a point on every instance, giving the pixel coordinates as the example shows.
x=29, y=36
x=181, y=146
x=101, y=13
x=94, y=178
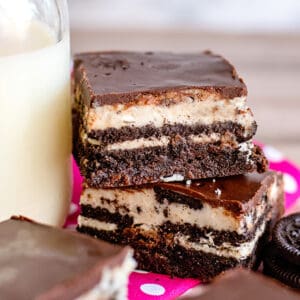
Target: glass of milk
x=35, y=110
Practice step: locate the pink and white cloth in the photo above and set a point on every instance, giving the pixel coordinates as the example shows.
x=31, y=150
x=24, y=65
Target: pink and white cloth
x=150, y=286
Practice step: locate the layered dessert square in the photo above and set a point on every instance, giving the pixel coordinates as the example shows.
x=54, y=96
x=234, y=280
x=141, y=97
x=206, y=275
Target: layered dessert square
x=154, y=117
x=41, y=262
x=188, y=229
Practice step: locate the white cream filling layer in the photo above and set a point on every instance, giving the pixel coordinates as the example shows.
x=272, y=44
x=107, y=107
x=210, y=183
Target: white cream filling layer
x=113, y=282
x=240, y=252
x=142, y=206
x=188, y=112
x=83, y=221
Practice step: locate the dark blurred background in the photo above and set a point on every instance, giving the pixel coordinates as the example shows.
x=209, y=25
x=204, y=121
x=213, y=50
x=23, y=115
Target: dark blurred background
x=261, y=38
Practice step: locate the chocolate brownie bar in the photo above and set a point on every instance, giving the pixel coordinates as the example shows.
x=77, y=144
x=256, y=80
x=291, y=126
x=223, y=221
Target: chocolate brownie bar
x=192, y=229
x=41, y=262
x=149, y=117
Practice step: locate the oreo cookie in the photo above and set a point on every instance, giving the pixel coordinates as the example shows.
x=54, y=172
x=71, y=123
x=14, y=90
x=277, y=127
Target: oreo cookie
x=286, y=237
x=281, y=269
x=282, y=254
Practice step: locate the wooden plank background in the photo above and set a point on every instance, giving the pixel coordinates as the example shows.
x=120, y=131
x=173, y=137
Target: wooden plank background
x=269, y=64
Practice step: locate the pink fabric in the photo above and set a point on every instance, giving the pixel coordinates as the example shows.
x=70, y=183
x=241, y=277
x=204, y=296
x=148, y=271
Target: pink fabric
x=146, y=286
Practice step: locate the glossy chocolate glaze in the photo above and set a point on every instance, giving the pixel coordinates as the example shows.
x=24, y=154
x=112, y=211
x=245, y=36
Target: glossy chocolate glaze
x=41, y=262
x=235, y=193
x=118, y=77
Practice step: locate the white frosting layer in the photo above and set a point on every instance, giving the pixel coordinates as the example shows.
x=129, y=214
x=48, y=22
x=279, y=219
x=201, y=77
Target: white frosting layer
x=188, y=112
x=242, y=251
x=83, y=221
x=113, y=282
x=142, y=206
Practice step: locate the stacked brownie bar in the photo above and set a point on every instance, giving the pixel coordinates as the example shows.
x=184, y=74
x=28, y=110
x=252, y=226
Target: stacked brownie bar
x=163, y=141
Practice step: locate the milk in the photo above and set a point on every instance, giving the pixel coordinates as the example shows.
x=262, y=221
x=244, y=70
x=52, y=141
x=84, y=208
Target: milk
x=35, y=124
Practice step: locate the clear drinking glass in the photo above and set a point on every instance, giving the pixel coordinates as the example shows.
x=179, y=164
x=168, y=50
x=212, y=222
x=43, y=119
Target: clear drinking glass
x=35, y=110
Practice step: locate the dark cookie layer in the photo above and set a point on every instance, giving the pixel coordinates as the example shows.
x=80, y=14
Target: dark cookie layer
x=286, y=237
x=103, y=215
x=276, y=266
x=120, y=77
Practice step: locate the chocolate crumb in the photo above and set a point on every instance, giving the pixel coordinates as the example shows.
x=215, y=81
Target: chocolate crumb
x=166, y=212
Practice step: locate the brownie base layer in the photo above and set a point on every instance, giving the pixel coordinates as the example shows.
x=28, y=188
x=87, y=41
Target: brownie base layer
x=150, y=165
x=178, y=261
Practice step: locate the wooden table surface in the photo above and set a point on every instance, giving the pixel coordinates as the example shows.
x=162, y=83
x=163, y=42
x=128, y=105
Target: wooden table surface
x=269, y=64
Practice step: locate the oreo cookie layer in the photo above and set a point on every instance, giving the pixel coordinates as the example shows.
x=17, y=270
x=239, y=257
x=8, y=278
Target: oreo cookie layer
x=129, y=133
